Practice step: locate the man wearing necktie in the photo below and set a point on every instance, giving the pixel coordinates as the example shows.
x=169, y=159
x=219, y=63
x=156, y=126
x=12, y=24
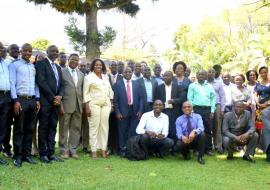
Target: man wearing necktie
x=49, y=79
x=71, y=109
x=190, y=133
x=128, y=107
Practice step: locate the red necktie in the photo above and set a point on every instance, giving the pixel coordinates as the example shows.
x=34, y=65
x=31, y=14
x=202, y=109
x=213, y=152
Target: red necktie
x=128, y=93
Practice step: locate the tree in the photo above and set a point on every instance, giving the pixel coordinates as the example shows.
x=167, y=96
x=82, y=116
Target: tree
x=40, y=44
x=90, y=8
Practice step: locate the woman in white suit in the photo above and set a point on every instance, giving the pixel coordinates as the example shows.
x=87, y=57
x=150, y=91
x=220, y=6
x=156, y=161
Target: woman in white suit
x=98, y=94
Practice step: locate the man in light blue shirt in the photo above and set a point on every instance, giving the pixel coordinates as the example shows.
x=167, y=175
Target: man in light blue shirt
x=4, y=98
x=14, y=52
x=25, y=95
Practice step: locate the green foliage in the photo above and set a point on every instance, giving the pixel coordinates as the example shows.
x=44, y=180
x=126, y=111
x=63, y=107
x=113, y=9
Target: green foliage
x=237, y=39
x=41, y=44
x=77, y=37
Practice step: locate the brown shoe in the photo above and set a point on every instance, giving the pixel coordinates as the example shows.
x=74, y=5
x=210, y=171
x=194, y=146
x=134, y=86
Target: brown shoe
x=104, y=154
x=94, y=155
x=64, y=156
x=74, y=156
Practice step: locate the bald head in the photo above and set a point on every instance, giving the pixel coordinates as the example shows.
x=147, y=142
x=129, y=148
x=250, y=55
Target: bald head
x=187, y=108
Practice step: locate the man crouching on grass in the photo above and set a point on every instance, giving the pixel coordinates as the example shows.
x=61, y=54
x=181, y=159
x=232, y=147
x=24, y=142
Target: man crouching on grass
x=190, y=133
x=153, y=128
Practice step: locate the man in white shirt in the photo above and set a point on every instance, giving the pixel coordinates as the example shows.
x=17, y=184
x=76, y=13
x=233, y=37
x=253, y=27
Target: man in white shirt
x=153, y=128
x=227, y=87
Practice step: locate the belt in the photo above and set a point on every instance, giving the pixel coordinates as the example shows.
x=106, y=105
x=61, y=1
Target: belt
x=203, y=107
x=4, y=92
x=26, y=97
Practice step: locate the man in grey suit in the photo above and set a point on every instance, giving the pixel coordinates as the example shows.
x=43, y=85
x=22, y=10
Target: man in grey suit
x=71, y=108
x=239, y=130
x=148, y=88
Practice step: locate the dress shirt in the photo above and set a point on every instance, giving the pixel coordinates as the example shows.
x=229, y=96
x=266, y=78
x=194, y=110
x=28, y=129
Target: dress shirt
x=73, y=71
x=55, y=71
x=148, y=122
x=114, y=78
x=168, y=92
x=4, y=76
x=196, y=124
x=134, y=77
x=234, y=126
x=202, y=95
x=219, y=79
x=22, y=79
x=228, y=93
x=159, y=80
x=220, y=94
x=131, y=90
x=148, y=88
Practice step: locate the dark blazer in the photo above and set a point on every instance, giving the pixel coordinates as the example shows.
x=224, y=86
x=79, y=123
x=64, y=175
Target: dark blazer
x=121, y=101
x=143, y=90
x=176, y=93
x=46, y=81
x=119, y=77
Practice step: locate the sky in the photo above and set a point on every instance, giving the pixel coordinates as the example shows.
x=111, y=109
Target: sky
x=156, y=23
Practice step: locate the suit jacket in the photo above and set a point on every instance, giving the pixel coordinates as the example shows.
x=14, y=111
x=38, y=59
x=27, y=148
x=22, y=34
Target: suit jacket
x=119, y=77
x=121, y=101
x=72, y=94
x=177, y=95
x=46, y=81
x=143, y=90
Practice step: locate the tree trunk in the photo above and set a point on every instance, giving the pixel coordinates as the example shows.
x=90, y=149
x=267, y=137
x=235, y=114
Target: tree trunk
x=92, y=46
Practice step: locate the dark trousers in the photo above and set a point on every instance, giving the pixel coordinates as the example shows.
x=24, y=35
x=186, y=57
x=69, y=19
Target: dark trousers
x=155, y=145
x=172, y=118
x=48, y=119
x=23, y=128
x=85, y=131
x=4, y=105
x=205, y=113
x=148, y=107
x=6, y=141
x=197, y=144
x=113, y=133
x=127, y=128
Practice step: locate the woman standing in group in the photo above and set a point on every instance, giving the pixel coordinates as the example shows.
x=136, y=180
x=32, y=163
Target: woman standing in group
x=262, y=100
x=97, y=93
x=241, y=92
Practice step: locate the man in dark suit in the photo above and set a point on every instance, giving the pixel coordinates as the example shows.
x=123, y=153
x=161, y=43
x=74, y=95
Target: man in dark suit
x=148, y=88
x=113, y=131
x=128, y=108
x=49, y=79
x=172, y=97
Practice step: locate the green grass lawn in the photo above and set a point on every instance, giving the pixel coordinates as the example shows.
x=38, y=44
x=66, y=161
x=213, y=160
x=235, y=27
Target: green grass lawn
x=115, y=173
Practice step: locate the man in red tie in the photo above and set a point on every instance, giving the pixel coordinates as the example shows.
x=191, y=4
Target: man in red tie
x=128, y=104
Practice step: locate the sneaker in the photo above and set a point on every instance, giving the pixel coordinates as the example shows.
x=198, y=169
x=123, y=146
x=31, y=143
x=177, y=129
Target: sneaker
x=8, y=154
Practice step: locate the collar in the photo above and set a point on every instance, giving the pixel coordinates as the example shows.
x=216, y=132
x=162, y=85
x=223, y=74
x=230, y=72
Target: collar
x=205, y=83
x=70, y=69
x=153, y=115
x=125, y=80
x=145, y=79
x=49, y=60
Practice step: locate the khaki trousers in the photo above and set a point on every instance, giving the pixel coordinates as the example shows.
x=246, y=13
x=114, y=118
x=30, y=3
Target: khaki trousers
x=69, y=132
x=99, y=125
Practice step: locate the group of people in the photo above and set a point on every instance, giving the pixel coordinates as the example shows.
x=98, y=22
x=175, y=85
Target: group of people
x=169, y=113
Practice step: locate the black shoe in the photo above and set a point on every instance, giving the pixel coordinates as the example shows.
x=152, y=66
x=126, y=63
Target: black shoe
x=268, y=157
x=44, y=159
x=229, y=157
x=122, y=154
x=248, y=158
x=7, y=154
x=187, y=156
x=29, y=160
x=220, y=151
x=210, y=153
x=86, y=151
x=3, y=162
x=17, y=162
x=56, y=159
x=201, y=160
